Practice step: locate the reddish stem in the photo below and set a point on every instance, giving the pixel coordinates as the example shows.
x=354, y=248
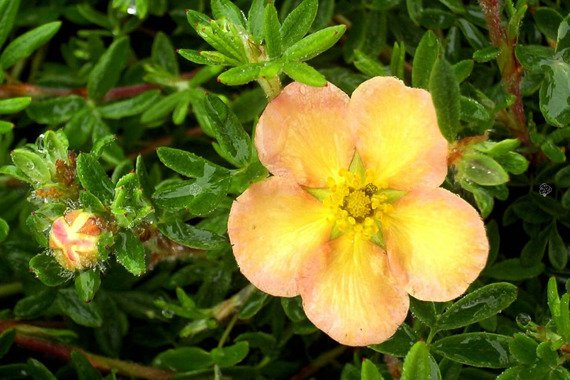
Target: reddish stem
x=511, y=70
x=101, y=363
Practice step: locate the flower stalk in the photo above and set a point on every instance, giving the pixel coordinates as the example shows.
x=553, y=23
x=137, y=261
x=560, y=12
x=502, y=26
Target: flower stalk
x=509, y=66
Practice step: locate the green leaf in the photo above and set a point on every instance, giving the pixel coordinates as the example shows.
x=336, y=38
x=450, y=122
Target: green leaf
x=107, y=71
x=481, y=169
x=129, y=107
x=163, y=53
x=23, y=46
x=562, y=178
x=369, y=371
x=56, y=145
x=425, y=311
x=473, y=111
x=472, y=34
x=5, y=127
x=369, y=65
x=130, y=206
x=94, y=16
x=83, y=367
x=130, y=252
x=231, y=355
x=563, y=35
x=557, y=250
x=486, y=54
x=534, y=249
x=271, y=33
x=397, y=60
x=463, y=69
x=187, y=163
x=93, y=178
x=301, y=72
x=200, y=196
x=523, y=348
x=55, y=111
x=208, y=57
x=191, y=236
x=184, y=359
x=414, y=10
x=255, y=19
x=513, y=162
x=221, y=35
x=563, y=323
x=226, y=9
x=9, y=106
x=4, y=230
x=424, y=60
x=233, y=141
x=444, y=89
x=513, y=270
x=298, y=22
x=478, y=305
x=253, y=304
x=85, y=314
x=399, y=344
x=417, y=363
x=87, y=283
x=476, y=349
x=242, y=74
x=35, y=305
x=6, y=340
x=531, y=57
x=38, y=371
x=547, y=21
x=555, y=92
x=553, y=152
x=314, y=44
x=32, y=165
x=8, y=12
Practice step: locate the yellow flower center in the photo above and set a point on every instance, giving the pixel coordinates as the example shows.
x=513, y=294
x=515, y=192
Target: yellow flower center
x=357, y=205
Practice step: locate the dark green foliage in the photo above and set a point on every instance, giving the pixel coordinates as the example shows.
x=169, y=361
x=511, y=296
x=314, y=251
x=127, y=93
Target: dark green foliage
x=143, y=113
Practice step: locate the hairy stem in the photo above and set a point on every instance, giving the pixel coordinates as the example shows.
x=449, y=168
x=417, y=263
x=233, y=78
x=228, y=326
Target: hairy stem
x=511, y=70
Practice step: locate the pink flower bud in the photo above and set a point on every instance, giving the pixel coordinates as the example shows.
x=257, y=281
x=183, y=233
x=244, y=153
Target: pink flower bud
x=74, y=238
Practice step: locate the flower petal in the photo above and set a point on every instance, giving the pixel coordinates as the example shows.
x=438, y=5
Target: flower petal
x=436, y=243
x=304, y=132
x=273, y=226
x=349, y=293
x=398, y=137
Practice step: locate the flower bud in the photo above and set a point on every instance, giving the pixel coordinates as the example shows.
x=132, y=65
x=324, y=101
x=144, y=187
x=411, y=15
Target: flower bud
x=74, y=238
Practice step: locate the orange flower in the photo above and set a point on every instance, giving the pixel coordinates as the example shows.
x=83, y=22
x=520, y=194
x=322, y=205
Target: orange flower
x=353, y=218
x=74, y=238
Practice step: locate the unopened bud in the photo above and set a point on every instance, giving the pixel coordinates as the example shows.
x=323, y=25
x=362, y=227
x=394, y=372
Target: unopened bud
x=74, y=238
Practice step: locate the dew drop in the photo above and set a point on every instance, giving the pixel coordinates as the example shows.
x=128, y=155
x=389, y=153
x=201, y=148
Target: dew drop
x=523, y=319
x=167, y=314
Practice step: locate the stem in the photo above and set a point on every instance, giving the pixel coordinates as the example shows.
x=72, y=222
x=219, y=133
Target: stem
x=319, y=363
x=23, y=89
x=271, y=87
x=509, y=66
x=63, y=351
x=227, y=331
x=431, y=335
x=7, y=290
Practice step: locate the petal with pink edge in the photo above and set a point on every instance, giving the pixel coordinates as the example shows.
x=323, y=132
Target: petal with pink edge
x=436, y=244
x=273, y=226
x=304, y=133
x=349, y=293
x=398, y=137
